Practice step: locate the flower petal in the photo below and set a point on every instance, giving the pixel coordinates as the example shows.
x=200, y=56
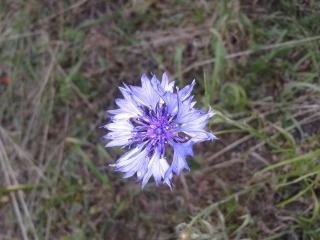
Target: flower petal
x=157, y=168
x=134, y=161
x=166, y=84
x=179, y=163
x=185, y=92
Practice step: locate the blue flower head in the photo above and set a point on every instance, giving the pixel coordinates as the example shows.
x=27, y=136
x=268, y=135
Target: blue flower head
x=150, y=120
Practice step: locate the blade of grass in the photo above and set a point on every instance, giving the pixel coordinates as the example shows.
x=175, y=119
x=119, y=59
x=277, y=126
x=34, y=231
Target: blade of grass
x=94, y=170
x=303, y=157
x=178, y=62
x=295, y=197
x=211, y=207
x=289, y=44
x=219, y=52
x=18, y=187
x=298, y=179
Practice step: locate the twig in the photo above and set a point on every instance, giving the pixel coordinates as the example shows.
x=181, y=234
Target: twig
x=3, y=162
x=186, y=190
x=220, y=165
x=259, y=158
x=76, y=5
x=22, y=35
x=21, y=153
x=37, y=101
x=249, y=52
x=229, y=147
x=83, y=99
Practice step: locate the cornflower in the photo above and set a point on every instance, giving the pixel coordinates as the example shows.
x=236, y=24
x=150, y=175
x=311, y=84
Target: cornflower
x=150, y=120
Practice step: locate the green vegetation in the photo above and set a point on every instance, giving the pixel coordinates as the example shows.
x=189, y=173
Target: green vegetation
x=257, y=63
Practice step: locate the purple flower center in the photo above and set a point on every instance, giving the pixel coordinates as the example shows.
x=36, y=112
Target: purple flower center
x=158, y=131
x=157, y=128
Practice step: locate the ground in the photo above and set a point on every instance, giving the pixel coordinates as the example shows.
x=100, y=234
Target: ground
x=256, y=63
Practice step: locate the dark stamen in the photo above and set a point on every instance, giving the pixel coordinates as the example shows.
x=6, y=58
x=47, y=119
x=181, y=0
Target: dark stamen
x=181, y=137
